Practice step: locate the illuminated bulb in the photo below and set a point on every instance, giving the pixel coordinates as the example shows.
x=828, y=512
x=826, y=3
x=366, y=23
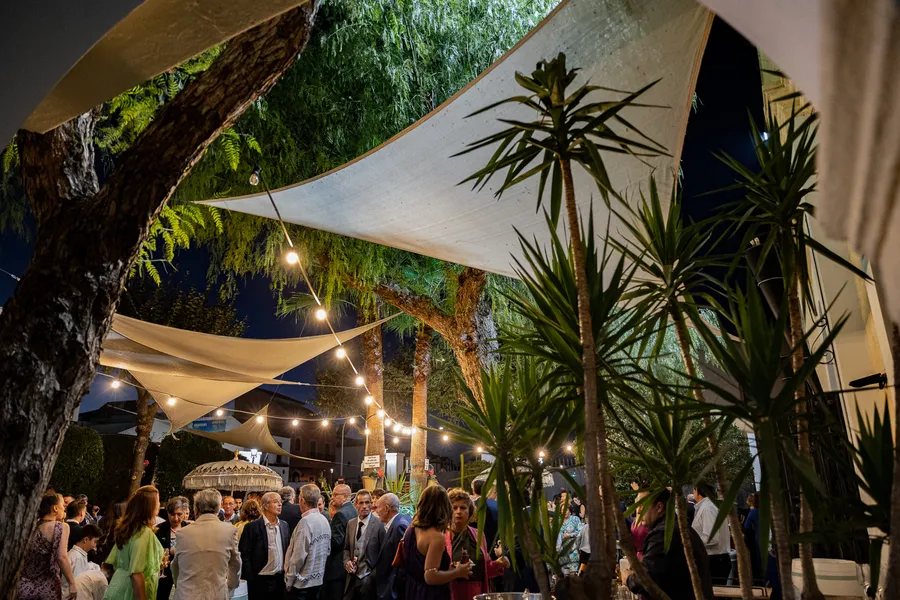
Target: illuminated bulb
x=569, y=448
x=321, y=314
x=397, y=427
x=115, y=384
x=171, y=401
x=380, y=413
x=259, y=419
x=341, y=353
x=292, y=258
x=368, y=399
x=220, y=412
x=295, y=422
x=406, y=431
x=541, y=454
x=445, y=437
x=324, y=422
x=254, y=176
x=441, y=427
x=387, y=422
x=368, y=431
x=353, y=420
x=479, y=449
x=396, y=440
x=359, y=380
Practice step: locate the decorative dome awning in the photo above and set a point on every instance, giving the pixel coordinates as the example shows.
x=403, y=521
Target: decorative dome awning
x=235, y=475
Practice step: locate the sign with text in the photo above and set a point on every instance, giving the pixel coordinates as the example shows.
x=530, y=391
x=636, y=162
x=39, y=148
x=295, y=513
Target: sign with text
x=371, y=462
x=209, y=425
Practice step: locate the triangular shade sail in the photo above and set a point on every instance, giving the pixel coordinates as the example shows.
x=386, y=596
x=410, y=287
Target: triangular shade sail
x=251, y=434
x=202, y=371
x=405, y=194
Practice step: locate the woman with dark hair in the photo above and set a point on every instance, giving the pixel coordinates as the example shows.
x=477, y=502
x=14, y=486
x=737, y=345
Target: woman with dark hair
x=464, y=544
x=177, y=511
x=250, y=511
x=46, y=555
x=137, y=555
x=428, y=565
x=570, y=530
x=107, y=525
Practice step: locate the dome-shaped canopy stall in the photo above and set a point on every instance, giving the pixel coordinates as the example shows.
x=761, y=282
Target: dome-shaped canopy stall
x=235, y=475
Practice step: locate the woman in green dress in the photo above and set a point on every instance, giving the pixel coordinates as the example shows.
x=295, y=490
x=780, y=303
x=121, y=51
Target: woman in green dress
x=137, y=555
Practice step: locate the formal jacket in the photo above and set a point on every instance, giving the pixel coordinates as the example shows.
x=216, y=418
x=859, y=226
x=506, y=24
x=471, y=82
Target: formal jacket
x=669, y=569
x=254, y=546
x=363, y=569
x=334, y=568
x=207, y=564
x=290, y=514
x=164, y=535
x=389, y=581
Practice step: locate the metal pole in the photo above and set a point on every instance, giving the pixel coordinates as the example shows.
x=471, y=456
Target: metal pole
x=342, y=448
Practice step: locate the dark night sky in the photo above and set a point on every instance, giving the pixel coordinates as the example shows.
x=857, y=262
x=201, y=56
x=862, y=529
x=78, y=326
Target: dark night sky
x=728, y=87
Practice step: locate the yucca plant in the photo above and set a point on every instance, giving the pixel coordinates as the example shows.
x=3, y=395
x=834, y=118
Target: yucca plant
x=673, y=259
x=775, y=208
x=665, y=441
x=767, y=400
x=568, y=129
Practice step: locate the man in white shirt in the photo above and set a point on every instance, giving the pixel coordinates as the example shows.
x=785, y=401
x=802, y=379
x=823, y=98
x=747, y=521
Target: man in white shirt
x=718, y=545
x=78, y=556
x=263, y=545
x=304, y=571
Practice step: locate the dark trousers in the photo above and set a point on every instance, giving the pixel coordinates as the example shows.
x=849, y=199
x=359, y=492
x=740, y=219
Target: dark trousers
x=311, y=593
x=719, y=568
x=266, y=587
x=333, y=589
x=360, y=589
x=164, y=587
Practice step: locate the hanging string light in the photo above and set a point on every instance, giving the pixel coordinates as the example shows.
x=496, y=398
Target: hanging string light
x=387, y=422
x=479, y=450
x=259, y=419
x=445, y=437
x=295, y=422
x=324, y=422
x=369, y=399
x=368, y=431
x=220, y=412
x=321, y=314
x=171, y=401
x=115, y=384
x=340, y=352
x=359, y=380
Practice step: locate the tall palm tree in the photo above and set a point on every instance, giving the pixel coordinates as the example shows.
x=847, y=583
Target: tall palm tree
x=767, y=400
x=673, y=260
x=776, y=206
x=569, y=130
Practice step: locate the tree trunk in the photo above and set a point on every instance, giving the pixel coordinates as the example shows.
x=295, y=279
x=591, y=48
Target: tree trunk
x=373, y=372
x=892, y=577
x=687, y=543
x=745, y=569
x=640, y=572
x=810, y=585
x=421, y=371
x=596, y=460
x=52, y=327
x=780, y=529
x=146, y=411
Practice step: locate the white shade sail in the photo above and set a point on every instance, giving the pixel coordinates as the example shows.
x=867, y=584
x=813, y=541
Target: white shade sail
x=405, y=194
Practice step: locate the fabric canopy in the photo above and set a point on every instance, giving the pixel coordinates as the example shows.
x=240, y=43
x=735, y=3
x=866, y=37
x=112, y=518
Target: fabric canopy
x=405, y=194
x=233, y=475
x=253, y=433
x=201, y=371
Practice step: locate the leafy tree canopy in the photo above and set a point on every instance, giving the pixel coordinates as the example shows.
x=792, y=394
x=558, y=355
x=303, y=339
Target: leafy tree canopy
x=80, y=464
x=179, y=456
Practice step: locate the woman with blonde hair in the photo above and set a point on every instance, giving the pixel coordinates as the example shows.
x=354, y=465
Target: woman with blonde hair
x=428, y=565
x=136, y=555
x=250, y=511
x=464, y=544
x=46, y=555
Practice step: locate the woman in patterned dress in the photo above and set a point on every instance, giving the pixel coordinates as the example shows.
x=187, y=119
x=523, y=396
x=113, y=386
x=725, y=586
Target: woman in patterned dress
x=570, y=530
x=46, y=555
x=137, y=555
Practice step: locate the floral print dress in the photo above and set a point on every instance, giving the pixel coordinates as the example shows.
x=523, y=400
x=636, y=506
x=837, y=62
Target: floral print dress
x=570, y=530
x=40, y=571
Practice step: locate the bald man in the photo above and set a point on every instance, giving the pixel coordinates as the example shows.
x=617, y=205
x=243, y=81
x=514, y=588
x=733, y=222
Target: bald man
x=335, y=573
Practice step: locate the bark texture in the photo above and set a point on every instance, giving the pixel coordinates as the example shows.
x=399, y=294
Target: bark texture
x=421, y=372
x=470, y=330
x=87, y=238
x=146, y=412
x=745, y=569
x=780, y=527
x=373, y=372
x=892, y=576
x=684, y=532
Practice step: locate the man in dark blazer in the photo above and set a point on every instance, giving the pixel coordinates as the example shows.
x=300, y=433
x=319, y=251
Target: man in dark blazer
x=290, y=512
x=335, y=573
x=263, y=545
x=389, y=580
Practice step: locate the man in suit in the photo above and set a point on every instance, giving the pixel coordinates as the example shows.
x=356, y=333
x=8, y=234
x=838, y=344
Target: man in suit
x=263, y=545
x=335, y=574
x=290, y=512
x=361, y=532
x=207, y=563
x=389, y=579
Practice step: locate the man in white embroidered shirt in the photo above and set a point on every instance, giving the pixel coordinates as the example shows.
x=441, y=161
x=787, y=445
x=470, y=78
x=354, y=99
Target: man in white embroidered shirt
x=78, y=555
x=262, y=546
x=304, y=570
x=718, y=545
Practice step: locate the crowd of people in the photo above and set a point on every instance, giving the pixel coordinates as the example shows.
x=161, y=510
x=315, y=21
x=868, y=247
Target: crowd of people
x=288, y=545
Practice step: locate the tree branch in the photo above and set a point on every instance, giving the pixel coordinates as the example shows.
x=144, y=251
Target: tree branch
x=471, y=283
x=416, y=305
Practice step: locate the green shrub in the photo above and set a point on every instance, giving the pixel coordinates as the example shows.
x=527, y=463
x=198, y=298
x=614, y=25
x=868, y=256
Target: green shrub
x=80, y=463
x=178, y=457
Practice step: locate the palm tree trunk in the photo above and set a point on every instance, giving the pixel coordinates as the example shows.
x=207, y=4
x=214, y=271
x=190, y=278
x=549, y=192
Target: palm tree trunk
x=892, y=577
x=780, y=528
x=810, y=585
x=596, y=460
x=421, y=371
x=537, y=561
x=146, y=411
x=745, y=569
x=681, y=515
x=626, y=541
x=373, y=372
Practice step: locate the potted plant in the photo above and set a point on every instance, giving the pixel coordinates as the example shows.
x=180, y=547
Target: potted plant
x=370, y=479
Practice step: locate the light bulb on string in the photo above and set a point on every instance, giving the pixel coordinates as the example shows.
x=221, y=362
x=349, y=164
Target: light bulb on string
x=254, y=176
x=171, y=401
x=292, y=257
x=115, y=384
x=321, y=314
x=368, y=431
x=380, y=413
x=441, y=427
x=220, y=412
x=352, y=420
x=569, y=448
x=387, y=422
x=541, y=454
x=479, y=450
x=406, y=431
x=324, y=422
x=259, y=419
x=340, y=352
x=445, y=437
x=396, y=440
x=368, y=399
x=359, y=380
x=397, y=427
x=295, y=422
